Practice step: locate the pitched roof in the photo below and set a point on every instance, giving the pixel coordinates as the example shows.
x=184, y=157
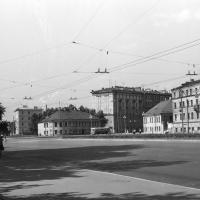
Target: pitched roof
x=160, y=108
x=66, y=115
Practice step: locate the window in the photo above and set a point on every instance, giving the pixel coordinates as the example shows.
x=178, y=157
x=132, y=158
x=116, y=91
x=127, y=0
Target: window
x=190, y=91
x=65, y=124
x=192, y=129
x=55, y=131
x=55, y=124
x=186, y=92
x=183, y=104
x=183, y=116
x=196, y=90
x=192, y=115
x=191, y=102
x=197, y=102
x=60, y=131
x=175, y=105
x=60, y=124
x=174, y=94
x=197, y=115
x=175, y=117
x=180, y=104
x=188, y=115
x=176, y=130
x=198, y=128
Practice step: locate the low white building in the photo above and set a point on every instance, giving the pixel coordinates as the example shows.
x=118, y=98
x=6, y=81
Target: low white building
x=159, y=118
x=68, y=123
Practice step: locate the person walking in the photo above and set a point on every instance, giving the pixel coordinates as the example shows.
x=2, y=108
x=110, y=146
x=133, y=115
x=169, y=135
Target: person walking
x=1, y=145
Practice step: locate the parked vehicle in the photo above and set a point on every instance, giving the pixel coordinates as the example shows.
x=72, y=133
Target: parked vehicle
x=100, y=130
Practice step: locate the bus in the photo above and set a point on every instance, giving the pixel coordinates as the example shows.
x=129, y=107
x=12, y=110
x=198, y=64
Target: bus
x=100, y=130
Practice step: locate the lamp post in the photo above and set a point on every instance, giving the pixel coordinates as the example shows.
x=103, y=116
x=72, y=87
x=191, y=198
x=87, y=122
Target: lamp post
x=181, y=92
x=90, y=117
x=124, y=117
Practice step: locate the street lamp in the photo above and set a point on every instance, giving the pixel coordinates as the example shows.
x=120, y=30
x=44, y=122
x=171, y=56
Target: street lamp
x=124, y=117
x=90, y=117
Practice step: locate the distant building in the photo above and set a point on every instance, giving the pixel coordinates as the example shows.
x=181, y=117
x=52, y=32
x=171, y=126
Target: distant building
x=186, y=107
x=68, y=123
x=159, y=118
x=23, y=119
x=124, y=106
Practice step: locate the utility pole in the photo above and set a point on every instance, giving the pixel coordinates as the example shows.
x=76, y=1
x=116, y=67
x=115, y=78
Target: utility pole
x=181, y=94
x=188, y=123
x=124, y=117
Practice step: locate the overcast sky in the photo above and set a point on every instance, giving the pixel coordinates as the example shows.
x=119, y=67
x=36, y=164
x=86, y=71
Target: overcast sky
x=37, y=56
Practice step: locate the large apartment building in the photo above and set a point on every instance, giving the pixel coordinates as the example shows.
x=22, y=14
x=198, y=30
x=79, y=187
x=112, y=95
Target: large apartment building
x=23, y=119
x=124, y=106
x=185, y=101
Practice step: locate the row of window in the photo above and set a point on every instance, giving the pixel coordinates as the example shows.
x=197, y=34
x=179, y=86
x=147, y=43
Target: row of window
x=71, y=131
x=75, y=123
x=152, y=129
x=154, y=119
x=182, y=116
x=183, y=103
x=190, y=129
x=187, y=92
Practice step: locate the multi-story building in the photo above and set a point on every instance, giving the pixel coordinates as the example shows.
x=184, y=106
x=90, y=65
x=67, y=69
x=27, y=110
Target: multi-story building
x=23, y=119
x=68, y=123
x=158, y=119
x=185, y=101
x=124, y=106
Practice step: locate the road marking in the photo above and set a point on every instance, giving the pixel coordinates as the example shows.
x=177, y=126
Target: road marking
x=144, y=180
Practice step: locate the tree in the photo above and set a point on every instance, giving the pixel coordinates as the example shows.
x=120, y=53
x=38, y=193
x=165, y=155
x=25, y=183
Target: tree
x=2, y=111
x=4, y=127
x=35, y=119
x=101, y=116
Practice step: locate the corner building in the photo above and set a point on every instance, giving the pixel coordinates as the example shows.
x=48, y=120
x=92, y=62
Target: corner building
x=185, y=102
x=124, y=106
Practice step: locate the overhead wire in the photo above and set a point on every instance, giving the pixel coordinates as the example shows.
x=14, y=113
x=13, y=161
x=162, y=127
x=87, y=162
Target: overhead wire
x=135, y=62
x=120, y=33
x=132, y=55
x=155, y=55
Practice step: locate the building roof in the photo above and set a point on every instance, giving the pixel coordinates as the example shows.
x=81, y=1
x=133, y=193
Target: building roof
x=187, y=84
x=29, y=109
x=69, y=115
x=160, y=108
x=129, y=90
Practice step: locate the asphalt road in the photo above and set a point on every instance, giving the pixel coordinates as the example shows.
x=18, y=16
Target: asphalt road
x=94, y=163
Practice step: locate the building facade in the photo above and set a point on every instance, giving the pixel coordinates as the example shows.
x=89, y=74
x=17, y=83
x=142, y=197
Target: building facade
x=23, y=119
x=68, y=123
x=185, y=102
x=124, y=106
x=158, y=119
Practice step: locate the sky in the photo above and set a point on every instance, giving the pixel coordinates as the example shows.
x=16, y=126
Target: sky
x=43, y=42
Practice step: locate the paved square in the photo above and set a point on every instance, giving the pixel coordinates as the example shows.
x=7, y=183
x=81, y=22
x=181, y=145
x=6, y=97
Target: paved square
x=50, y=168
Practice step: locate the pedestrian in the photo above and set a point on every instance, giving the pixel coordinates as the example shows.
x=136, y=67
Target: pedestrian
x=1, y=145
